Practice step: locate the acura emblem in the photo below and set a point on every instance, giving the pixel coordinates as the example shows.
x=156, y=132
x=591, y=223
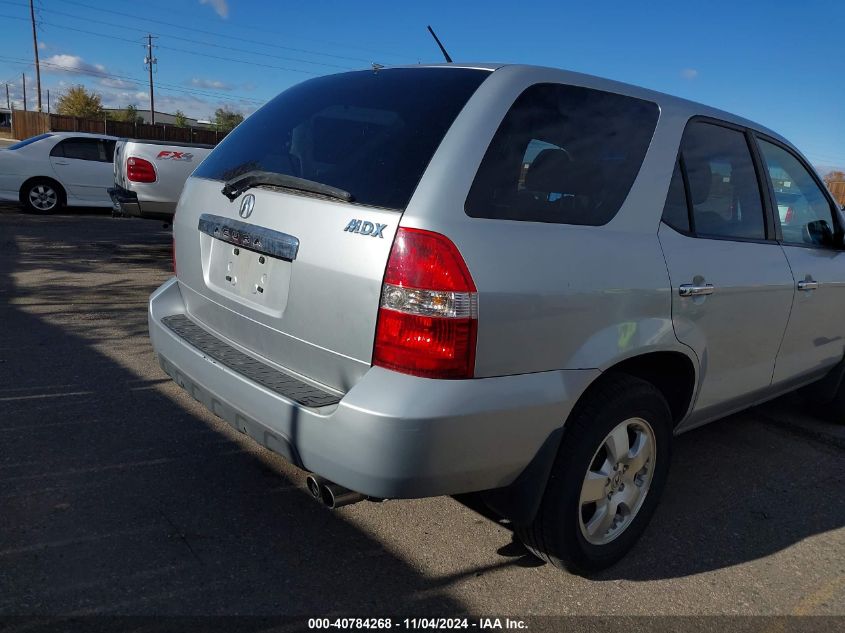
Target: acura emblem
x=247, y=205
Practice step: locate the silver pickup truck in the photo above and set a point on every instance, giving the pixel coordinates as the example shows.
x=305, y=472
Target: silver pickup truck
x=149, y=176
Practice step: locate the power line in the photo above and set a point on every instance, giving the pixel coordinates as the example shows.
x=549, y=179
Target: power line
x=203, y=31
x=164, y=87
x=193, y=41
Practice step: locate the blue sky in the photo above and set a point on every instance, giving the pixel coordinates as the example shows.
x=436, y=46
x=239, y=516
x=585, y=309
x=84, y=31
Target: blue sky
x=779, y=63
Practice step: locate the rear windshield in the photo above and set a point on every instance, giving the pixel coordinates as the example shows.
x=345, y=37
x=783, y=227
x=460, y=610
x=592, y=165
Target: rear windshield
x=28, y=141
x=563, y=154
x=369, y=133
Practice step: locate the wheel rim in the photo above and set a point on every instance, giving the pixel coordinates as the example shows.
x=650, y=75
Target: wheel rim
x=617, y=481
x=43, y=197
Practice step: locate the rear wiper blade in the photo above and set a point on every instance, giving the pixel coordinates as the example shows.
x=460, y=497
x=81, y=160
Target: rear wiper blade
x=237, y=185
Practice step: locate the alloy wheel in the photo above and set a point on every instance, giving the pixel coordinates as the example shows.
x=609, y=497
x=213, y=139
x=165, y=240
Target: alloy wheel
x=617, y=481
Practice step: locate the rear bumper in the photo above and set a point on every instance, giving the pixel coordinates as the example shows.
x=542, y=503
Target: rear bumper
x=126, y=203
x=391, y=435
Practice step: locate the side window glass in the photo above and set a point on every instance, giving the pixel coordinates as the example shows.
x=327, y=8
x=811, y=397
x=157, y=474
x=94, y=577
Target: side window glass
x=81, y=148
x=803, y=210
x=563, y=154
x=58, y=150
x=108, y=146
x=675, y=211
x=723, y=183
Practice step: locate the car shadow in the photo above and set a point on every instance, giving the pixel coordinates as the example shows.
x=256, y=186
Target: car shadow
x=117, y=500
x=118, y=497
x=739, y=489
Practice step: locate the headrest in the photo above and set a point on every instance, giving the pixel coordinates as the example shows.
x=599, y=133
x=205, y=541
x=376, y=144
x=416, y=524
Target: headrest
x=555, y=172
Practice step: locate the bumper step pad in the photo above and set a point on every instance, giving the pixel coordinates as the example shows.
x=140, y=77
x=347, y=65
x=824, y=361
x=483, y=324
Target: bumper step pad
x=249, y=367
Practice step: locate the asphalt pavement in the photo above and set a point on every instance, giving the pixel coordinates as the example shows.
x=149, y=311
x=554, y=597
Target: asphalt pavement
x=119, y=494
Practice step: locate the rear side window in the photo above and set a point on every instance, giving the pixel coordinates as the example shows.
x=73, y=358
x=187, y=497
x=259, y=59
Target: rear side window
x=369, y=133
x=714, y=190
x=79, y=149
x=563, y=154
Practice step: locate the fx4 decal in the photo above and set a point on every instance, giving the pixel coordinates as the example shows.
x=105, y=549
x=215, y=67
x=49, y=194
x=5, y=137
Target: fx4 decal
x=168, y=155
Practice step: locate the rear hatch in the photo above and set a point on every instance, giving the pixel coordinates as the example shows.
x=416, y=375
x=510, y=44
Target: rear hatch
x=292, y=273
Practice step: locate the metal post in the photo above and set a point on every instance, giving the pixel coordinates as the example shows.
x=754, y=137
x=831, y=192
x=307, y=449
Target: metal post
x=23, y=81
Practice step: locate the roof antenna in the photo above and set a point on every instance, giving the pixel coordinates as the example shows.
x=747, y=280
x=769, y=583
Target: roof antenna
x=437, y=39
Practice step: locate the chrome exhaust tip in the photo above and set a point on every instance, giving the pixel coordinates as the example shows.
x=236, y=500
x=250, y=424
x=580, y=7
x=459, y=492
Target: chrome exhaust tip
x=330, y=494
x=314, y=483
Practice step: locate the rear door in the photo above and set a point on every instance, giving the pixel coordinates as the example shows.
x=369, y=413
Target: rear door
x=731, y=285
x=294, y=276
x=84, y=167
x=815, y=338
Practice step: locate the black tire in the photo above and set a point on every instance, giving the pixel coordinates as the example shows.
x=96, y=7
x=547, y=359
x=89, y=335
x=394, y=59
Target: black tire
x=556, y=534
x=42, y=195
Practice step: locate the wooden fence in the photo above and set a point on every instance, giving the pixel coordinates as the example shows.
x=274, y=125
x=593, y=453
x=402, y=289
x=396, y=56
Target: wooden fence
x=837, y=188
x=26, y=124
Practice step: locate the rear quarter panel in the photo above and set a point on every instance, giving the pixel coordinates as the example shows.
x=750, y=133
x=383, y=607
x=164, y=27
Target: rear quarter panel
x=555, y=296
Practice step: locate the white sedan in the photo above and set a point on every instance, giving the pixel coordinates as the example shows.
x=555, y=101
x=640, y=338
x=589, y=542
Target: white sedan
x=49, y=171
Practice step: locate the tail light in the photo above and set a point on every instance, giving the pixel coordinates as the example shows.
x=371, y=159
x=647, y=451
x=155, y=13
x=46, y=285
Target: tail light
x=140, y=170
x=428, y=315
x=787, y=218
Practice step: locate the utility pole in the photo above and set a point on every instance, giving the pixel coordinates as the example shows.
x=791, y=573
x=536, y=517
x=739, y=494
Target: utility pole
x=48, y=101
x=23, y=83
x=37, y=67
x=149, y=60
x=8, y=103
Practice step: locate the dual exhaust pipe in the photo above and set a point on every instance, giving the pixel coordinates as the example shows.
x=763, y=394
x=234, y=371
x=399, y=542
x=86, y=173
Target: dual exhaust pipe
x=330, y=494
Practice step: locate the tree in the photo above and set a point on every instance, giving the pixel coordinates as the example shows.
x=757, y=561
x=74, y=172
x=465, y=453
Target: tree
x=181, y=119
x=226, y=119
x=129, y=114
x=77, y=101
x=835, y=176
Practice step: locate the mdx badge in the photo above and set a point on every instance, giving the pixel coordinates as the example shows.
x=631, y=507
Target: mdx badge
x=365, y=228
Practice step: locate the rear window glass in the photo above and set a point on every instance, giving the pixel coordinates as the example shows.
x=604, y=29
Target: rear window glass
x=29, y=141
x=369, y=133
x=563, y=154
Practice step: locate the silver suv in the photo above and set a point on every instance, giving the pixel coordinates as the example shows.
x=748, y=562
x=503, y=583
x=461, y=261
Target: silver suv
x=509, y=280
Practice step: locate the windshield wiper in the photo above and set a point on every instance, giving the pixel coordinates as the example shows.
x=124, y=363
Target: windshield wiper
x=237, y=185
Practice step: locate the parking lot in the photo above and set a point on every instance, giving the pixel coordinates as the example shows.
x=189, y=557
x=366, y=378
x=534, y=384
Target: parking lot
x=121, y=495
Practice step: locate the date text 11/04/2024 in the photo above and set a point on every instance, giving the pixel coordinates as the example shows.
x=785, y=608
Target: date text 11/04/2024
x=416, y=623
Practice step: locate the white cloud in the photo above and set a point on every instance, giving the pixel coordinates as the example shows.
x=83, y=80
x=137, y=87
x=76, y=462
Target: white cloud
x=110, y=82
x=71, y=64
x=212, y=84
x=689, y=73
x=221, y=7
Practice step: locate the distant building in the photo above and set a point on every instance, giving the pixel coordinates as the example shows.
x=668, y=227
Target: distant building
x=163, y=117
x=5, y=118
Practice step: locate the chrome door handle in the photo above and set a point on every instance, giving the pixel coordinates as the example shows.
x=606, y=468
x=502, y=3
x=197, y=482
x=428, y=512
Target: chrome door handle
x=808, y=285
x=60, y=162
x=693, y=290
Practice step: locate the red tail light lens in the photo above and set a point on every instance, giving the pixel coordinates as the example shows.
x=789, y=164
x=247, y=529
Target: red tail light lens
x=789, y=215
x=140, y=170
x=428, y=317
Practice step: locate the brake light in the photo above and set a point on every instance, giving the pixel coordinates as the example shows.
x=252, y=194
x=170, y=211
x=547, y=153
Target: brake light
x=787, y=218
x=428, y=315
x=140, y=170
